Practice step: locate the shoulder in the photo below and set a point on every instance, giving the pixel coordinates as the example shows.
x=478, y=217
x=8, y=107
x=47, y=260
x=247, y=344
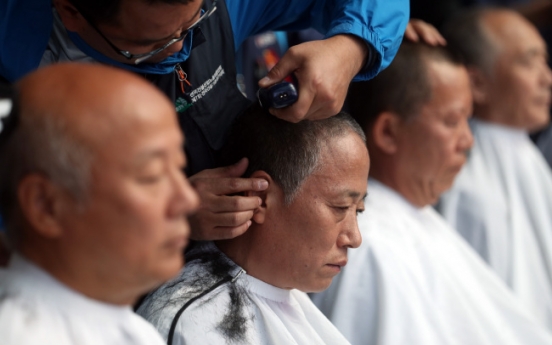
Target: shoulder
x=195, y=301
x=24, y=319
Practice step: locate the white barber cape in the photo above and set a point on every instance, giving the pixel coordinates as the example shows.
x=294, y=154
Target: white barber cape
x=37, y=309
x=241, y=310
x=414, y=281
x=501, y=203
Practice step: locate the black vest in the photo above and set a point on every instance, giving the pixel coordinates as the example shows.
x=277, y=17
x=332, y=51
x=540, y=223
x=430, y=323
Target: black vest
x=208, y=107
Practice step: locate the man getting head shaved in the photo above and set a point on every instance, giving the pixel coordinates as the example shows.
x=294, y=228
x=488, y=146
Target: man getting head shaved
x=250, y=289
x=94, y=200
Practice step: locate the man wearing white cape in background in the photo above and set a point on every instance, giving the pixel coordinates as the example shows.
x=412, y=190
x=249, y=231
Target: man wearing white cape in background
x=95, y=203
x=501, y=202
x=414, y=280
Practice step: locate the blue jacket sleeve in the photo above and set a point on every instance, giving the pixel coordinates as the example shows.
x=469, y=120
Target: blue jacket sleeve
x=380, y=23
x=25, y=27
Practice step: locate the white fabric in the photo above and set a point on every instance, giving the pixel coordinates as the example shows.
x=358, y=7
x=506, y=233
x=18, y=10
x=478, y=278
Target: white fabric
x=544, y=143
x=414, y=281
x=269, y=315
x=37, y=309
x=501, y=203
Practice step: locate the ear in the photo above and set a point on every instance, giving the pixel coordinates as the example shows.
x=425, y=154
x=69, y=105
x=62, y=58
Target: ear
x=267, y=196
x=70, y=16
x=479, y=85
x=385, y=132
x=41, y=202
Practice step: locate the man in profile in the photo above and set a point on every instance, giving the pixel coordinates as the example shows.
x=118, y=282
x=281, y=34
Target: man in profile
x=414, y=280
x=501, y=202
x=95, y=204
x=250, y=289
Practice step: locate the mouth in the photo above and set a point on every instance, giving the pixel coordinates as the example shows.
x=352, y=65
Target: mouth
x=337, y=266
x=178, y=242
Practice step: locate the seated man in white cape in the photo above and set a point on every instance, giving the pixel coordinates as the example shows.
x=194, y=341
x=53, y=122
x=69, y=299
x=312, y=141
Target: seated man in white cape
x=251, y=289
x=95, y=205
x=414, y=280
x=501, y=202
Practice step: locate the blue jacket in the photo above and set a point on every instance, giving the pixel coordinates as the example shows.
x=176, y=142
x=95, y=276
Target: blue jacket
x=25, y=26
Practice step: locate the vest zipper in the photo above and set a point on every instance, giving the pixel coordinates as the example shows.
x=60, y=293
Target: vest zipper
x=182, y=76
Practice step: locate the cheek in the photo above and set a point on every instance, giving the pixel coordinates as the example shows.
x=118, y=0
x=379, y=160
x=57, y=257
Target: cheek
x=313, y=236
x=133, y=216
x=440, y=150
x=517, y=88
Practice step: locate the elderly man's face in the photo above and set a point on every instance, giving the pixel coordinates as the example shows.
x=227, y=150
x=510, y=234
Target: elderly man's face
x=520, y=82
x=432, y=145
x=132, y=222
x=305, y=243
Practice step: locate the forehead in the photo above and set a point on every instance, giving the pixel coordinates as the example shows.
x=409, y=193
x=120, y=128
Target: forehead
x=450, y=86
x=342, y=168
x=141, y=121
x=514, y=35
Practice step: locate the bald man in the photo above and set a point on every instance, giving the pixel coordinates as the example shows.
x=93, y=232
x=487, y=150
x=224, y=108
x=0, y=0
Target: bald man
x=501, y=202
x=94, y=201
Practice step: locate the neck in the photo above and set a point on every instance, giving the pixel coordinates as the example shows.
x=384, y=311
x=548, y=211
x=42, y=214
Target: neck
x=80, y=276
x=239, y=249
x=243, y=251
x=386, y=171
x=487, y=114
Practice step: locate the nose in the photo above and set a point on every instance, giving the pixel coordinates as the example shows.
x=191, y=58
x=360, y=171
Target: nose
x=176, y=46
x=546, y=77
x=185, y=200
x=466, y=138
x=350, y=236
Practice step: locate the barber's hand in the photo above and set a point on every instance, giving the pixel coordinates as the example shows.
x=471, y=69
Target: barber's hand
x=417, y=30
x=223, y=215
x=324, y=69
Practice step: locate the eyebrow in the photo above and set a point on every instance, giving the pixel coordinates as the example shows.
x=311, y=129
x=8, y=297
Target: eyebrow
x=355, y=195
x=536, y=52
x=149, y=155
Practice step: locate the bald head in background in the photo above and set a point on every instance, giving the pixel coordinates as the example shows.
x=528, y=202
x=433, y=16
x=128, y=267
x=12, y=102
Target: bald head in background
x=507, y=60
x=93, y=196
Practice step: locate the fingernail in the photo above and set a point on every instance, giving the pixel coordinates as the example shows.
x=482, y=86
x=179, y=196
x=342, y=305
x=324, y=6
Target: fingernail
x=265, y=80
x=263, y=184
x=260, y=201
x=249, y=223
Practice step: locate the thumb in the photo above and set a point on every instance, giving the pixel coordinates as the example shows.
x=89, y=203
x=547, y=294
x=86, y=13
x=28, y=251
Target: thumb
x=282, y=69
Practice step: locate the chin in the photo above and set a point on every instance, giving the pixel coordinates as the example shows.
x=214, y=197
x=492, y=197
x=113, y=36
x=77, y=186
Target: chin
x=540, y=123
x=170, y=268
x=316, y=287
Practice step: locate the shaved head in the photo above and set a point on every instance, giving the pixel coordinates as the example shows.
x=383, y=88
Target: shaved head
x=507, y=59
x=91, y=181
x=96, y=109
x=70, y=113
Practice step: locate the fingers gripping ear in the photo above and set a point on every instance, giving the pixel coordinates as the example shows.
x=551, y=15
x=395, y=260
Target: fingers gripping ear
x=266, y=197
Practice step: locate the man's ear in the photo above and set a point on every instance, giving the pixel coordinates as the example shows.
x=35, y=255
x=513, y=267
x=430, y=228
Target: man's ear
x=385, y=131
x=479, y=85
x=41, y=202
x=267, y=196
x=70, y=16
